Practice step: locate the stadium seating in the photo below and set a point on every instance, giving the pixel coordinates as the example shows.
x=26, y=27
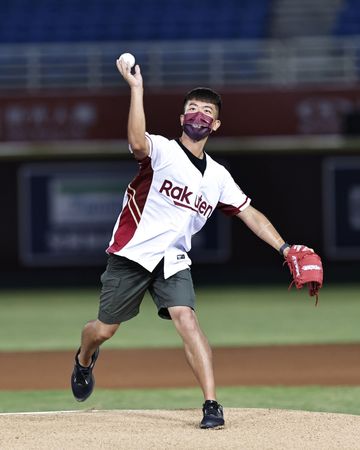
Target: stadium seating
x=112, y=20
x=348, y=20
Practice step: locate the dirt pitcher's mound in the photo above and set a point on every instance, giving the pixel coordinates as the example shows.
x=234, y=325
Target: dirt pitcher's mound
x=245, y=429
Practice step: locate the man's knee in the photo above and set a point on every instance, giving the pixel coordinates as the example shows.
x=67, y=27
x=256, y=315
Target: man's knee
x=183, y=317
x=105, y=331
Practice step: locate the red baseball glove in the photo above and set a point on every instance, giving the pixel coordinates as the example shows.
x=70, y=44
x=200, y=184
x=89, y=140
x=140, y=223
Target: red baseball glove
x=306, y=268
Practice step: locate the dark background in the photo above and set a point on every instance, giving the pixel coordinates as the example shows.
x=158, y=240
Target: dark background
x=286, y=187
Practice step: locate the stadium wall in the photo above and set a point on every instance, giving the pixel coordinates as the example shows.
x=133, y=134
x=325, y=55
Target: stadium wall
x=288, y=188
x=311, y=193
x=87, y=115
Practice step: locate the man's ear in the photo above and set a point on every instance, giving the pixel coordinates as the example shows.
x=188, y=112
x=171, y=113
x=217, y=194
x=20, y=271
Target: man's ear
x=181, y=119
x=216, y=124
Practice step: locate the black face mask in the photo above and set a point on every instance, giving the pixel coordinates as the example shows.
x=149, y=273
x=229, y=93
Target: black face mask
x=197, y=125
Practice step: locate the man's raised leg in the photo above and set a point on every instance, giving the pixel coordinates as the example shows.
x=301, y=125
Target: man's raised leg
x=82, y=378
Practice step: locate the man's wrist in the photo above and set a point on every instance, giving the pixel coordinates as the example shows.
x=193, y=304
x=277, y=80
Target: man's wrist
x=283, y=248
x=137, y=88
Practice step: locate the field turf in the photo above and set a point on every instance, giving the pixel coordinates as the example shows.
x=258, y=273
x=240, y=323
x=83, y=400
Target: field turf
x=52, y=320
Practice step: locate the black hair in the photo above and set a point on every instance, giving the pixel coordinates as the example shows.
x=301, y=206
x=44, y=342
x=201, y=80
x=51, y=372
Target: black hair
x=204, y=94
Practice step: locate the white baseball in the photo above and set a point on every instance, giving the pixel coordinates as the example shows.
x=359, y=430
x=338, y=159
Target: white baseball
x=128, y=58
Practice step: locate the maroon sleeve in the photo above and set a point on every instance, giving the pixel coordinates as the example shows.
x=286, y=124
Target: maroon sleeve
x=231, y=210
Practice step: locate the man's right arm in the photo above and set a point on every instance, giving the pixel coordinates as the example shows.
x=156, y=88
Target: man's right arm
x=136, y=121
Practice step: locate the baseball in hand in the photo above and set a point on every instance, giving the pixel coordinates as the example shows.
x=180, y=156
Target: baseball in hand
x=128, y=58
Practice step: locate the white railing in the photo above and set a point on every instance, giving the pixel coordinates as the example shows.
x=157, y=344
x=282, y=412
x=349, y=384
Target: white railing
x=233, y=63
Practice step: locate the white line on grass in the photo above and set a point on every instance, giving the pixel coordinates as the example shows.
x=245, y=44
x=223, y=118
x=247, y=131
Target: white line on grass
x=45, y=412
x=27, y=413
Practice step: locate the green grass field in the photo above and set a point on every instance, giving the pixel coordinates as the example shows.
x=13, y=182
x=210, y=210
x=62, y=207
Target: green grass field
x=52, y=320
x=46, y=320
x=310, y=398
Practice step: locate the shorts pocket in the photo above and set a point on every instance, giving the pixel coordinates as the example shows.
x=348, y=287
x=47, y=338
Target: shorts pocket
x=109, y=280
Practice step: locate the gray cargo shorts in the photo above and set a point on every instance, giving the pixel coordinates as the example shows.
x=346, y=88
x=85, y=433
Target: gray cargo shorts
x=125, y=282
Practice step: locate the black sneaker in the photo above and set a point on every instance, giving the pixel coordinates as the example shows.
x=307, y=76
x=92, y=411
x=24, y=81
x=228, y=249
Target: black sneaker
x=82, y=379
x=213, y=415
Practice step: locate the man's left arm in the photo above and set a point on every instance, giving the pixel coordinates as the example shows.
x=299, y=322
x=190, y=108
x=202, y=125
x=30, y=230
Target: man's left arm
x=260, y=225
x=304, y=264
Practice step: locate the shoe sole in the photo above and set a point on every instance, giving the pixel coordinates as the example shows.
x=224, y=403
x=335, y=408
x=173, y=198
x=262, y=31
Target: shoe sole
x=214, y=426
x=83, y=398
x=217, y=427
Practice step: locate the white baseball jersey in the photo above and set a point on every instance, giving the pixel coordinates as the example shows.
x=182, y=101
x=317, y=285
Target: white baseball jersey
x=167, y=203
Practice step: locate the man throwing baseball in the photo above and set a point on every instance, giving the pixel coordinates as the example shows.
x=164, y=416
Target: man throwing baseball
x=177, y=188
